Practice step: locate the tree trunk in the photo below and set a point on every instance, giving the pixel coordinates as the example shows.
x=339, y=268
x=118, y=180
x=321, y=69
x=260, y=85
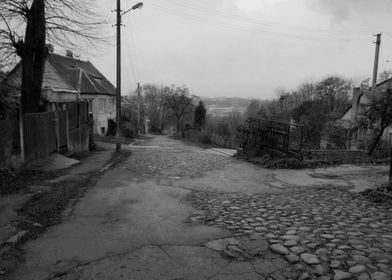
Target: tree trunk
x=390, y=172
x=375, y=142
x=33, y=57
x=178, y=126
x=163, y=119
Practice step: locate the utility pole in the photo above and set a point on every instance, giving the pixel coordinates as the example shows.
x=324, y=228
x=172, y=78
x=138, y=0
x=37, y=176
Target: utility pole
x=118, y=88
x=376, y=57
x=118, y=70
x=390, y=172
x=138, y=108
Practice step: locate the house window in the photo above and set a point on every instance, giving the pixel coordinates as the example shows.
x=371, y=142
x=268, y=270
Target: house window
x=112, y=105
x=102, y=105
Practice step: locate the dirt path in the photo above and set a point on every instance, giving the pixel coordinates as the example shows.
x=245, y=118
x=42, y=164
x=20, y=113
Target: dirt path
x=175, y=211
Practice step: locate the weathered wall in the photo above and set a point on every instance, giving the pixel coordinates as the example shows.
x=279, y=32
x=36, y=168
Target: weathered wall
x=78, y=139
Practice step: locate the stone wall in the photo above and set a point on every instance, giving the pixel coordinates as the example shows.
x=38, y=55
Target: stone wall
x=343, y=155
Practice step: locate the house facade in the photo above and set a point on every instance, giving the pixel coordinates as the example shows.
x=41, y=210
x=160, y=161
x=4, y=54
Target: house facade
x=360, y=99
x=68, y=79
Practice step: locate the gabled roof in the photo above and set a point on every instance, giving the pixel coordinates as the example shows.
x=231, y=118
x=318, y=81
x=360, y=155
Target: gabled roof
x=81, y=75
x=384, y=85
x=66, y=74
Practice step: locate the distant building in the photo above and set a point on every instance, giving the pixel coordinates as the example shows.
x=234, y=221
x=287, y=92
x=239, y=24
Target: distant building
x=215, y=111
x=67, y=79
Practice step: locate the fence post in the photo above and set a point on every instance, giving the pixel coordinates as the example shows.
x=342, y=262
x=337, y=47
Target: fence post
x=57, y=130
x=390, y=172
x=80, y=126
x=21, y=135
x=67, y=130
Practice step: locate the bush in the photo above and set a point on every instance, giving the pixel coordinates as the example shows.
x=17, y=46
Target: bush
x=187, y=126
x=128, y=130
x=155, y=130
x=206, y=139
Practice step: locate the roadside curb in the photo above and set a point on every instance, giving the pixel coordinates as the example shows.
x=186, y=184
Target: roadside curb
x=223, y=152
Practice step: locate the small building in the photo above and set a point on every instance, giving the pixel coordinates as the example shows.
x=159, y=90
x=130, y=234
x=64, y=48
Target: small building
x=68, y=79
x=360, y=98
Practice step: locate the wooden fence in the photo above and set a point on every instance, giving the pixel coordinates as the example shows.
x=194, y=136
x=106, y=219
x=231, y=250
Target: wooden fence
x=63, y=140
x=39, y=135
x=7, y=131
x=78, y=129
x=43, y=134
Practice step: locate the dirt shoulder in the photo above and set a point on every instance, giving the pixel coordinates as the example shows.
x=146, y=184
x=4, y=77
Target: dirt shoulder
x=39, y=199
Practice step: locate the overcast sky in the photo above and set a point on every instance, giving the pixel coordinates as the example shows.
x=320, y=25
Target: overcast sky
x=246, y=48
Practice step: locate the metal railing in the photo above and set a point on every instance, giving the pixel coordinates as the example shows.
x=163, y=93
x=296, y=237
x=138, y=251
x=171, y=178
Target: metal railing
x=264, y=134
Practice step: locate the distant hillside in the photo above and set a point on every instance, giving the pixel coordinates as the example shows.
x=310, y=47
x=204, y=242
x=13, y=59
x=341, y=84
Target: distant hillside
x=226, y=101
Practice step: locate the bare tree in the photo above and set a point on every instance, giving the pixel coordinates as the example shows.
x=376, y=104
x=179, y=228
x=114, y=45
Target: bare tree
x=26, y=27
x=379, y=113
x=305, y=92
x=334, y=92
x=155, y=106
x=253, y=108
x=180, y=102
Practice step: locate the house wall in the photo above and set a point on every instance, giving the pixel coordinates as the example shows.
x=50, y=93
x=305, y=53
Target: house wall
x=103, y=108
x=53, y=80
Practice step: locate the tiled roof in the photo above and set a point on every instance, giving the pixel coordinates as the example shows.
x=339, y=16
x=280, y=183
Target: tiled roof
x=81, y=75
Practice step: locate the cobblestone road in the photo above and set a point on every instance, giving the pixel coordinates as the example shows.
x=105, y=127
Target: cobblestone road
x=176, y=211
x=174, y=163
x=326, y=232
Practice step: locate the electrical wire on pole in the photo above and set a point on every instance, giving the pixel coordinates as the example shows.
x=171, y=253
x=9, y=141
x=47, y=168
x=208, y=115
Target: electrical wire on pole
x=120, y=13
x=118, y=78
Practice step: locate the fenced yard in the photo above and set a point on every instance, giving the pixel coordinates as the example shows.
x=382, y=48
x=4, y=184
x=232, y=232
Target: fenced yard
x=43, y=134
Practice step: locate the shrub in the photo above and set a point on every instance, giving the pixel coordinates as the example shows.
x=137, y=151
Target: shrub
x=128, y=130
x=206, y=139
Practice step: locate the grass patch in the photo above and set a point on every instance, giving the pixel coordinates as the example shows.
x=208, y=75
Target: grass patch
x=112, y=139
x=46, y=208
x=11, y=182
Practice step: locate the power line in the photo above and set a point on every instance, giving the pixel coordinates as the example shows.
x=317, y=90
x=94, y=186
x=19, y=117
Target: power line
x=259, y=21
x=242, y=28
x=130, y=60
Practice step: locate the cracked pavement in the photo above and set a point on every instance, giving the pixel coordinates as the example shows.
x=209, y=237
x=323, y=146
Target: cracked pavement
x=165, y=214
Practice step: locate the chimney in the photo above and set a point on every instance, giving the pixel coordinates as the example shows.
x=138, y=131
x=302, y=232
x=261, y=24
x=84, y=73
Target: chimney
x=69, y=54
x=50, y=48
x=357, y=93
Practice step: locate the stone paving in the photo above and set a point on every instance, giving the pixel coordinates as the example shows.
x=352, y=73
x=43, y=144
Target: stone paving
x=177, y=163
x=324, y=233
x=291, y=233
